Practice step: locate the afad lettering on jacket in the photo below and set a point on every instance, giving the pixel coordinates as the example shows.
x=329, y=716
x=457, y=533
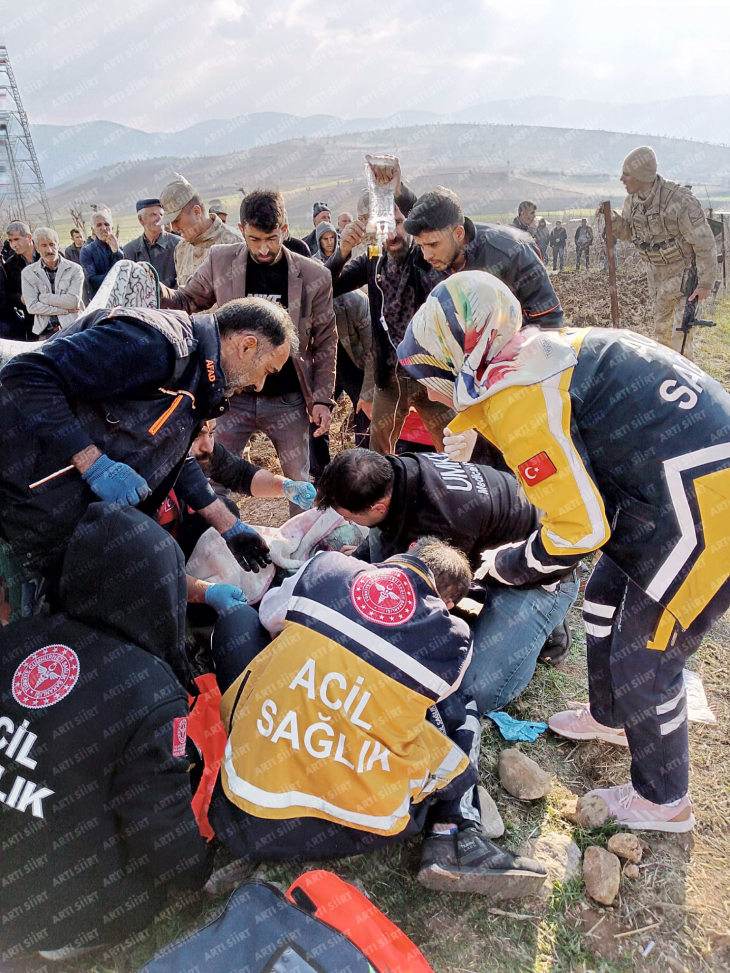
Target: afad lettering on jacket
x=210, y=368
x=318, y=738
x=16, y=744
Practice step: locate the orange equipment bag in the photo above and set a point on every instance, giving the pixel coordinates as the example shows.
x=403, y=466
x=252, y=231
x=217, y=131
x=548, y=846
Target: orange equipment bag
x=339, y=904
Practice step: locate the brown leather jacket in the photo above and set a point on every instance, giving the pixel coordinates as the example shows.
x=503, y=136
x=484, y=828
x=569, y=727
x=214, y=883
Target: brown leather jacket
x=222, y=277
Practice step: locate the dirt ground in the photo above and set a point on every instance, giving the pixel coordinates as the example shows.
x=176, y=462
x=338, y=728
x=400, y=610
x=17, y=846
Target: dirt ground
x=681, y=900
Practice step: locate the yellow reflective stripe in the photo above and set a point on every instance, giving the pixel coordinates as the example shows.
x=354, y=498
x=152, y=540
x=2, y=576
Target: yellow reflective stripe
x=663, y=632
x=712, y=567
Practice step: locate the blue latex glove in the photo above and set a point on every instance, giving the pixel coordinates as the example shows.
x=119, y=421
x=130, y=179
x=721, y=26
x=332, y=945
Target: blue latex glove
x=299, y=492
x=247, y=546
x=223, y=597
x=116, y=482
x=512, y=729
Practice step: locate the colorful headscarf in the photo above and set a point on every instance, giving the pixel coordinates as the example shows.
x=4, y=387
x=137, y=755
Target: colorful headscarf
x=467, y=341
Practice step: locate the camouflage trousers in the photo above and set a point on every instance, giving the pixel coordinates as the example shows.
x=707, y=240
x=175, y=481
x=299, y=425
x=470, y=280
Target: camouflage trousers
x=669, y=301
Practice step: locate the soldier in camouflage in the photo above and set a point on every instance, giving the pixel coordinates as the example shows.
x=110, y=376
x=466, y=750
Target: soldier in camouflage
x=667, y=225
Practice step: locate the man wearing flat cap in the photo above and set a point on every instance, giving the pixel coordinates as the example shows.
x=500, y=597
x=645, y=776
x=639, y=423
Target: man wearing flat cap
x=216, y=207
x=320, y=214
x=188, y=215
x=154, y=246
x=667, y=225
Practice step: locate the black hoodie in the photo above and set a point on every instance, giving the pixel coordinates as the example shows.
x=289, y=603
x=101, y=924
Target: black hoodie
x=93, y=719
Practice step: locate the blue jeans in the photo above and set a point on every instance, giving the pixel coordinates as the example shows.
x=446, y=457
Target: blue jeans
x=508, y=636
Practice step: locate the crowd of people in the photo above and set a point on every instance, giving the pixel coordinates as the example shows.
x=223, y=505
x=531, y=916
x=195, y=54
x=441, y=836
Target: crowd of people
x=497, y=450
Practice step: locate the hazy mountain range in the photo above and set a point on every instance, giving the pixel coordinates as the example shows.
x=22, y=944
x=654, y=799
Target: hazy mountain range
x=491, y=167
x=67, y=152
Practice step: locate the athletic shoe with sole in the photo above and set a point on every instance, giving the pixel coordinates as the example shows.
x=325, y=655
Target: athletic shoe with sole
x=634, y=811
x=578, y=724
x=467, y=861
x=557, y=645
x=68, y=952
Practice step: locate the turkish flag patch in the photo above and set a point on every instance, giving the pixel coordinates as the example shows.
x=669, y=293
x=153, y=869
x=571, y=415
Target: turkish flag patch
x=536, y=469
x=179, y=736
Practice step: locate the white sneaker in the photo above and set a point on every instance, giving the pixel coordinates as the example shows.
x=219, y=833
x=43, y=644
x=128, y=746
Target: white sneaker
x=634, y=811
x=578, y=724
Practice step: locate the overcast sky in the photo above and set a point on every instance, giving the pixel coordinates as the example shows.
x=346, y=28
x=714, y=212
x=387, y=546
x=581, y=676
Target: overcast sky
x=165, y=64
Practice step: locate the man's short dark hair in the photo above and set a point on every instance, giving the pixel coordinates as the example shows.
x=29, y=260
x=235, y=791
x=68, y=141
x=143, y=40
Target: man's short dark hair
x=263, y=209
x=355, y=480
x=450, y=568
x=76, y=230
x=256, y=315
x=193, y=201
x=436, y=210
x=526, y=204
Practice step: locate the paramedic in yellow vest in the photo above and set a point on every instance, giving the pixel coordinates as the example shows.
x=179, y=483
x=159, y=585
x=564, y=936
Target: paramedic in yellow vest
x=347, y=732
x=625, y=446
x=669, y=229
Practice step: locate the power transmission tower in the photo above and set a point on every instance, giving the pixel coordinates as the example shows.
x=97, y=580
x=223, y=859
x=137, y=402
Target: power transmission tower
x=21, y=179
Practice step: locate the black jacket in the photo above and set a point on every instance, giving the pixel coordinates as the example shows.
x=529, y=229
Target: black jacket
x=366, y=271
x=232, y=472
x=161, y=254
x=21, y=319
x=135, y=382
x=472, y=507
x=558, y=238
x=103, y=826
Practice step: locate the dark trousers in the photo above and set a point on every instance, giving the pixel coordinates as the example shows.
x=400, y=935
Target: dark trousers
x=559, y=254
x=639, y=687
x=348, y=379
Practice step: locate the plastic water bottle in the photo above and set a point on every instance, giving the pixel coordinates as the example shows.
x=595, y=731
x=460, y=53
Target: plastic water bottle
x=381, y=220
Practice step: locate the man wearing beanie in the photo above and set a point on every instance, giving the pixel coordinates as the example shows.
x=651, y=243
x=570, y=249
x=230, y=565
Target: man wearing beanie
x=667, y=225
x=154, y=246
x=320, y=214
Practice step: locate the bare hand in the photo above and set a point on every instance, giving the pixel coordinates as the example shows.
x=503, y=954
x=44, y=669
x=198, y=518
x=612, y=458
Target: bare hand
x=348, y=549
x=322, y=417
x=113, y=243
x=386, y=167
x=352, y=235
x=366, y=407
x=701, y=293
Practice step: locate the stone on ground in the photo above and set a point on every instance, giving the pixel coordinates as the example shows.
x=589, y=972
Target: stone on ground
x=491, y=818
x=589, y=811
x=626, y=846
x=558, y=853
x=602, y=874
x=522, y=777
x=631, y=870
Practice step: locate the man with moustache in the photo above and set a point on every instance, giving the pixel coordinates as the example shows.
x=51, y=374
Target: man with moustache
x=154, y=246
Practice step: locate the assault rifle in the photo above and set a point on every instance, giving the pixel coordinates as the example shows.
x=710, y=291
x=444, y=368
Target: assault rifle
x=690, y=319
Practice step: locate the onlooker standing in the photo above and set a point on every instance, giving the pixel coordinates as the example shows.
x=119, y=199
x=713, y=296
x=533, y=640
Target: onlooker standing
x=320, y=214
x=326, y=236
x=343, y=220
x=262, y=266
x=98, y=257
x=73, y=250
x=185, y=212
x=216, y=207
x=542, y=239
x=395, y=292
x=154, y=246
x=52, y=286
x=583, y=244
x=525, y=219
x=24, y=253
x=558, y=241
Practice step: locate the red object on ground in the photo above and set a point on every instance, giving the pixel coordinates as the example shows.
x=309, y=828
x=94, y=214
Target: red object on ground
x=346, y=909
x=414, y=430
x=207, y=732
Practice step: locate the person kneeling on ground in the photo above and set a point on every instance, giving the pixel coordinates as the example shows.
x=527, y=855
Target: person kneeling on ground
x=346, y=732
x=644, y=477
x=475, y=508
x=96, y=824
